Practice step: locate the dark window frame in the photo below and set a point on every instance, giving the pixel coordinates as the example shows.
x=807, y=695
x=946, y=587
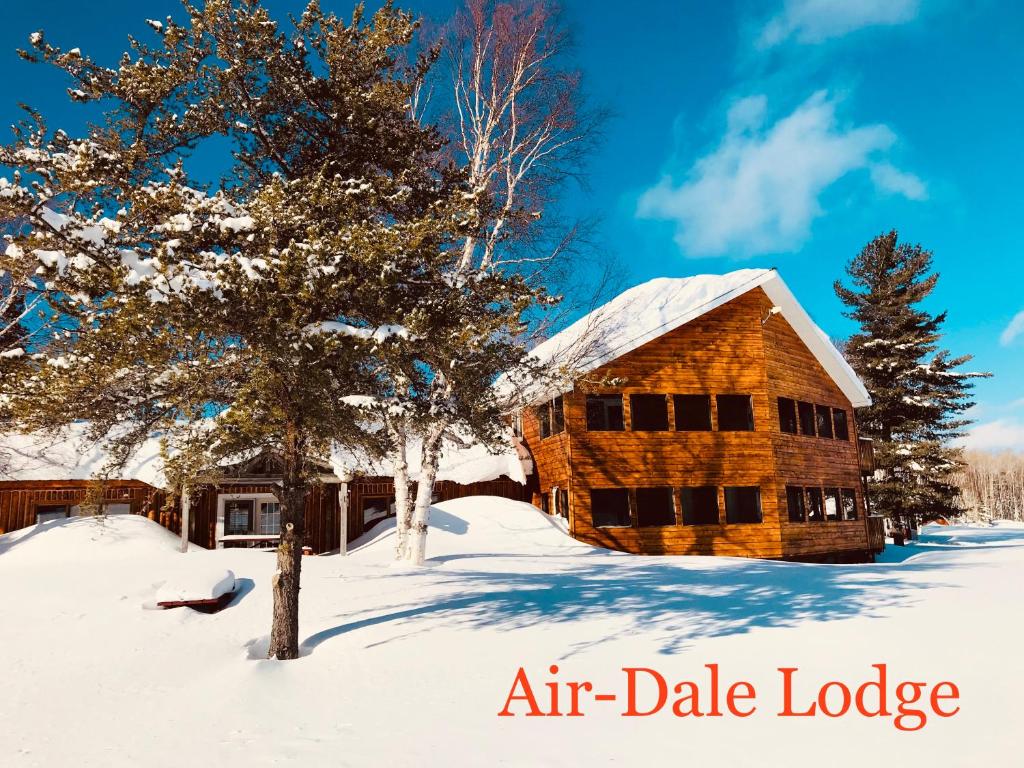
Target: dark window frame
x=629, y=508
x=823, y=421
x=50, y=509
x=544, y=420
x=605, y=423
x=731, y=421
x=733, y=516
x=788, y=417
x=637, y=398
x=814, y=493
x=694, y=509
x=683, y=407
x=845, y=430
x=832, y=492
x=557, y=415
x=851, y=495
x=662, y=517
x=250, y=527
x=796, y=492
x=805, y=415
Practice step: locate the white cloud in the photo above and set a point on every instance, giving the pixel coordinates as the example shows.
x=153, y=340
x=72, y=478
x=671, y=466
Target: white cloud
x=998, y=435
x=891, y=179
x=759, y=190
x=814, y=21
x=1013, y=329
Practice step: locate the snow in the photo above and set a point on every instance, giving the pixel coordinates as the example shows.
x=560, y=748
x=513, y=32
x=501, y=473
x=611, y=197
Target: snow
x=72, y=456
x=410, y=667
x=369, y=334
x=654, y=308
x=192, y=582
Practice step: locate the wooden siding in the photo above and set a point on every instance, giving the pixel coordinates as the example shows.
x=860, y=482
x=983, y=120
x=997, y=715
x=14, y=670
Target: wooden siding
x=726, y=351
x=19, y=500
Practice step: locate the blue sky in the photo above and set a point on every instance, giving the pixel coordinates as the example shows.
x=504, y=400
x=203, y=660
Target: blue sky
x=780, y=133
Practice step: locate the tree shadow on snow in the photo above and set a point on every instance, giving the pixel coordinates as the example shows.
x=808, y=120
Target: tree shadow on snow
x=672, y=603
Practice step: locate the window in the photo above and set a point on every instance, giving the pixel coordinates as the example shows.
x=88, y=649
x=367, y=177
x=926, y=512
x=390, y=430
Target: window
x=544, y=417
x=562, y=502
x=604, y=413
x=545, y=503
x=815, y=505
x=654, y=507
x=46, y=512
x=238, y=516
x=849, y=504
x=270, y=518
x=831, y=503
x=557, y=415
x=700, y=505
x=787, y=415
x=795, y=502
x=735, y=413
x=806, y=411
x=824, y=420
x=649, y=413
x=517, y=423
x=693, y=412
x=609, y=508
x=839, y=419
x=551, y=417
x=375, y=508
x=743, y=504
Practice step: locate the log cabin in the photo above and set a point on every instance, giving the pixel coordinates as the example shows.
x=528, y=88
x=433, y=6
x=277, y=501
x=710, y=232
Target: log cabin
x=46, y=478
x=704, y=416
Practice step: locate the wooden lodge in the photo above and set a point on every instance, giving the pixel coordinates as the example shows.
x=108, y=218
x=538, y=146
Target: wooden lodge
x=704, y=415
x=713, y=418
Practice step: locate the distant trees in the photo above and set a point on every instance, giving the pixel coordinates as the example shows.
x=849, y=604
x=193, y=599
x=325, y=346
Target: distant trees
x=919, y=394
x=991, y=485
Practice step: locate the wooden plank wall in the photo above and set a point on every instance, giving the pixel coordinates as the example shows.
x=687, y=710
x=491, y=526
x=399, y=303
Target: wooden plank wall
x=806, y=461
x=19, y=499
x=726, y=351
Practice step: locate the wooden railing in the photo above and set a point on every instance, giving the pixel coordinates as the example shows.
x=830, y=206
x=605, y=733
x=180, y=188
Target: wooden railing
x=866, y=455
x=876, y=533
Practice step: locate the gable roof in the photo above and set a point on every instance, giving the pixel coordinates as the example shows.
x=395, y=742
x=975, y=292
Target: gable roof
x=654, y=308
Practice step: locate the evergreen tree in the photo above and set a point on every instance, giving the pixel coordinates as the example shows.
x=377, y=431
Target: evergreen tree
x=918, y=393
x=240, y=317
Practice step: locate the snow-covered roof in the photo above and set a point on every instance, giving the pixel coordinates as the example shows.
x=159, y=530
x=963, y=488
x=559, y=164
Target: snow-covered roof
x=71, y=456
x=464, y=464
x=654, y=308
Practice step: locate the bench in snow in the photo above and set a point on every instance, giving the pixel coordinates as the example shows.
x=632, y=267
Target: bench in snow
x=206, y=590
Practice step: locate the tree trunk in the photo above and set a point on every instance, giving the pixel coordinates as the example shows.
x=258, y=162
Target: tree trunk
x=403, y=508
x=284, y=633
x=186, y=508
x=417, y=546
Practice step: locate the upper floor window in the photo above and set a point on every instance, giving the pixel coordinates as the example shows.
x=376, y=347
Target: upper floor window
x=699, y=505
x=824, y=420
x=604, y=413
x=839, y=420
x=654, y=507
x=806, y=411
x=795, y=503
x=743, y=504
x=735, y=413
x=551, y=416
x=517, y=423
x=648, y=413
x=787, y=415
x=609, y=508
x=693, y=412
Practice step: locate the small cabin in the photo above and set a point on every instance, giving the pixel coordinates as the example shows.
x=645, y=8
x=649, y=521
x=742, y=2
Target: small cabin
x=706, y=415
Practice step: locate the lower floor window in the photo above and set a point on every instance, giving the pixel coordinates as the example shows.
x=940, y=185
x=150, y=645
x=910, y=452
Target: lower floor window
x=815, y=505
x=270, y=518
x=46, y=512
x=743, y=504
x=609, y=508
x=795, y=503
x=376, y=508
x=849, y=504
x=238, y=516
x=654, y=507
x=831, y=503
x=700, y=505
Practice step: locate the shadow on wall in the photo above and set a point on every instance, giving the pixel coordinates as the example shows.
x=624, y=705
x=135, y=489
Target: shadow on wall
x=674, y=602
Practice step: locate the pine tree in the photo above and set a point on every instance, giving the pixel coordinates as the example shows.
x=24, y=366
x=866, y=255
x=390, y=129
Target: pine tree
x=918, y=393
x=243, y=316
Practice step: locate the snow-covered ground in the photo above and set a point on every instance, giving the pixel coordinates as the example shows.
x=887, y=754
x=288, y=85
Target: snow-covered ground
x=410, y=668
